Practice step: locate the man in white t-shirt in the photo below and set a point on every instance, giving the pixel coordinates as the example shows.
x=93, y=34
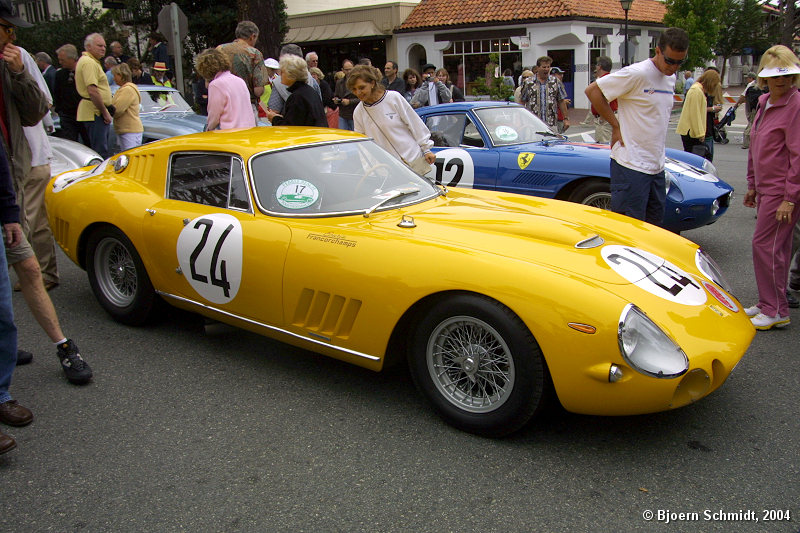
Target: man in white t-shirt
x=639, y=129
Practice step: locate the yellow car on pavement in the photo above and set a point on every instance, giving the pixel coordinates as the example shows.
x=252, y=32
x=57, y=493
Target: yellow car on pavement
x=321, y=239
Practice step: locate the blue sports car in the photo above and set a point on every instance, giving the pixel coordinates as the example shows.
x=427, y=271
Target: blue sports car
x=502, y=146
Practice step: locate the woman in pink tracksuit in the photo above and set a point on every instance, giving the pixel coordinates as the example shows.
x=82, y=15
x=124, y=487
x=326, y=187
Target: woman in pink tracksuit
x=773, y=183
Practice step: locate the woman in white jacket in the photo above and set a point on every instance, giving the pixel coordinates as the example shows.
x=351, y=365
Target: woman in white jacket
x=388, y=118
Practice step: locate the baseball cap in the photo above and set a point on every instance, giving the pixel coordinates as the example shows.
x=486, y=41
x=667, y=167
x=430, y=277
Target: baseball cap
x=272, y=63
x=428, y=66
x=8, y=12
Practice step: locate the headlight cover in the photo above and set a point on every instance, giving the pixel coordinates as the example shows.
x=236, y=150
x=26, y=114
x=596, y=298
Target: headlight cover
x=709, y=167
x=709, y=268
x=646, y=348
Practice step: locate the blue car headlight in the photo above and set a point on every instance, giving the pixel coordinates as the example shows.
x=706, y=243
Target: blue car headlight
x=709, y=167
x=646, y=348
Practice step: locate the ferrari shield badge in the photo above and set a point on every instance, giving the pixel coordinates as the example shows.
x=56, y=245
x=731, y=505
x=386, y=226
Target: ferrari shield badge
x=524, y=159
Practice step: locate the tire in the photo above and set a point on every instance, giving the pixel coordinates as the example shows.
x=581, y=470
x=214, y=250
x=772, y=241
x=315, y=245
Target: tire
x=596, y=193
x=118, y=278
x=449, y=357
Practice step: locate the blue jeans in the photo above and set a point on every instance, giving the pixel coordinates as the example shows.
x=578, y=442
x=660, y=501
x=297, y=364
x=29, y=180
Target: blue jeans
x=8, y=332
x=709, y=142
x=346, y=124
x=637, y=194
x=98, y=135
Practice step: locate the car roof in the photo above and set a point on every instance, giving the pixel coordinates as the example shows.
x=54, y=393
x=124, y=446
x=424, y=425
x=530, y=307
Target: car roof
x=465, y=106
x=250, y=141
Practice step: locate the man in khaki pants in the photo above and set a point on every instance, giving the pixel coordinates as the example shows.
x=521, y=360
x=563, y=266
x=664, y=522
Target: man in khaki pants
x=602, y=129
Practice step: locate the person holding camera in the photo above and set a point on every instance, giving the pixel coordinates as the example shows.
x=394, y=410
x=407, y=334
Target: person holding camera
x=92, y=85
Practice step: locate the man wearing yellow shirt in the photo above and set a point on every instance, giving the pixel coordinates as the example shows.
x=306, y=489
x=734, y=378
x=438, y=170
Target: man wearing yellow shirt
x=92, y=85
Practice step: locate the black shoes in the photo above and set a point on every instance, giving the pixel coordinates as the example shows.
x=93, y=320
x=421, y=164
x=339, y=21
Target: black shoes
x=793, y=302
x=23, y=357
x=75, y=368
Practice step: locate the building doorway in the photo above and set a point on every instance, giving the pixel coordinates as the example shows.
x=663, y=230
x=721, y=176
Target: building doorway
x=565, y=60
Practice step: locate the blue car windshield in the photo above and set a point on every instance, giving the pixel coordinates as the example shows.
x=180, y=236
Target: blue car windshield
x=513, y=125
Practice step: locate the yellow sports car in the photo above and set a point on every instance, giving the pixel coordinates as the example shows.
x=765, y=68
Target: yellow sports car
x=321, y=239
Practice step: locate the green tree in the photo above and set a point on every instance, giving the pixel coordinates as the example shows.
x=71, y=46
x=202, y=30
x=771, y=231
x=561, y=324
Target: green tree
x=701, y=20
x=50, y=35
x=784, y=28
x=270, y=17
x=744, y=29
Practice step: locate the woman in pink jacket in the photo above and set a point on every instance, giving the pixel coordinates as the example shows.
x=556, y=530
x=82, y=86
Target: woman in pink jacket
x=773, y=183
x=228, y=97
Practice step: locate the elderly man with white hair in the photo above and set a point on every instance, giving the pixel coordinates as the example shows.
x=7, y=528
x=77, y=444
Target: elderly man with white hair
x=95, y=91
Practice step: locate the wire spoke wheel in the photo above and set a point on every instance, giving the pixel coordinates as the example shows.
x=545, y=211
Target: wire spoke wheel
x=116, y=272
x=470, y=364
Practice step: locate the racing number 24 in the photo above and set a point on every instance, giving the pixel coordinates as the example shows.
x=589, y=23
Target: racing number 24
x=222, y=280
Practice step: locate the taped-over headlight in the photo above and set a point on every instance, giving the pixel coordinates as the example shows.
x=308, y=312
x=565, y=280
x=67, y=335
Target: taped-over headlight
x=709, y=267
x=648, y=349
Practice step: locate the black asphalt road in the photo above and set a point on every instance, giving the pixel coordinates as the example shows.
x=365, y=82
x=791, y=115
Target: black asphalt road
x=186, y=429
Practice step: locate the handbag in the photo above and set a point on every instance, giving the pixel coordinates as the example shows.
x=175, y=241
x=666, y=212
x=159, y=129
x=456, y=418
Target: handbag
x=418, y=166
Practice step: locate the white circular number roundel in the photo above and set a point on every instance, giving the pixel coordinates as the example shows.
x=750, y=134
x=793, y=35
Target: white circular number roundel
x=654, y=274
x=210, y=256
x=454, y=168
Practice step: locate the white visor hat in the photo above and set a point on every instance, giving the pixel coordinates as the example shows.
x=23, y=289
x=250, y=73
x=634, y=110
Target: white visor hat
x=779, y=71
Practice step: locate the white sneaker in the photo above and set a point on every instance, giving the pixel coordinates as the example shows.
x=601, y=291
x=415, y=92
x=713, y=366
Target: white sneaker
x=752, y=311
x=764, y=322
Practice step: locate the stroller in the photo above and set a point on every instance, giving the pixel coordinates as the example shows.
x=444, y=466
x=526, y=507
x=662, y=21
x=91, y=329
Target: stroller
x=727, y=119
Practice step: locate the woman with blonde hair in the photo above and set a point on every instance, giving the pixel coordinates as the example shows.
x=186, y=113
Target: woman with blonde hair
x=773, y=183
x=127, y=124
x=388, y=118
x=696, y=124
x=303, y=107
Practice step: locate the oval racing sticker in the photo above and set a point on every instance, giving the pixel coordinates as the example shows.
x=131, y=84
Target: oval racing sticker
x=210, y=255
x=505, y=133
x=723, y=298
x=296, y=194
x=654, y=274
x=454, y=168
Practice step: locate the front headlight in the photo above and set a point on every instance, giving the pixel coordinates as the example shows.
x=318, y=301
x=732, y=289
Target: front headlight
x=709, y=267
x=709, y=167
x=647, y=348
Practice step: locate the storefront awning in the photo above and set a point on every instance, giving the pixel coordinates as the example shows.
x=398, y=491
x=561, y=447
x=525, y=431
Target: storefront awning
x=329, y=32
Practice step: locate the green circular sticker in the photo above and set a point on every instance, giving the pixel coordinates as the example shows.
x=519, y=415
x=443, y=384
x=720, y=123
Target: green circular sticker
x=505, y=133
x=296, y=194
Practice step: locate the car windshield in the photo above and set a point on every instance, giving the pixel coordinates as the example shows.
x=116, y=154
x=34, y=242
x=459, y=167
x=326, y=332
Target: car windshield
x=513, y=125
x=335, y=179
x=155, y=101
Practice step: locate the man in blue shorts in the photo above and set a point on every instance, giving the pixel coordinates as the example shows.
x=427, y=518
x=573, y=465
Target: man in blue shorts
x=639, y=129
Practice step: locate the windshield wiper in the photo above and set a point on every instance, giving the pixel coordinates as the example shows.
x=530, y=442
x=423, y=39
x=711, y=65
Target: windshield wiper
x=548, y=134
x=393, y=194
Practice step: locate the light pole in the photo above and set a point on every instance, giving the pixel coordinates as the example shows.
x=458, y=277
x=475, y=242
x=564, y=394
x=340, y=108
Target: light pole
x=626, y=5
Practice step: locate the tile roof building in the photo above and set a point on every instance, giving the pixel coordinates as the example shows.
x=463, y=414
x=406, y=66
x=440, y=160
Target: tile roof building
x=460, y=35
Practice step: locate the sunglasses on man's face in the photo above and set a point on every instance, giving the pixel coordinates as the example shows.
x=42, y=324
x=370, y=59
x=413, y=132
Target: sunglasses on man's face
x=669, y=61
